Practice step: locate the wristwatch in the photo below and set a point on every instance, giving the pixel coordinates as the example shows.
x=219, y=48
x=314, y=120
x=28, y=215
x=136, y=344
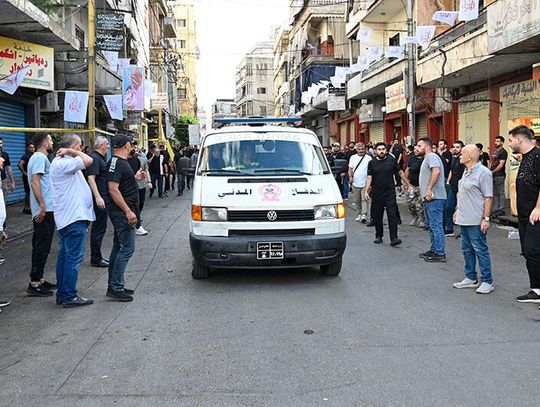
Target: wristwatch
x=486, y=218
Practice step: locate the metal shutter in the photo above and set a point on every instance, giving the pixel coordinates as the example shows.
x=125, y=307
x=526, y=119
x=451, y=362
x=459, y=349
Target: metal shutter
x=376, y=132
x=12, y=114
x=421, y=125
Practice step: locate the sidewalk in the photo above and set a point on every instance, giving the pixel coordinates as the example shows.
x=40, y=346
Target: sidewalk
x=17, y=223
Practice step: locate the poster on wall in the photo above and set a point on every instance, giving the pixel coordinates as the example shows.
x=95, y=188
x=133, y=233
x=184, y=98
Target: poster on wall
x=133, y=88
x=395, y=97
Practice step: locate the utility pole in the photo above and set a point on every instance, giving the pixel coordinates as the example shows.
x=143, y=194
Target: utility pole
x=91, y=72
x=411, y=74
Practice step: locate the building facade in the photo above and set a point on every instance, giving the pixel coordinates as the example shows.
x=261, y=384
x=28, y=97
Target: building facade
x=223, y=109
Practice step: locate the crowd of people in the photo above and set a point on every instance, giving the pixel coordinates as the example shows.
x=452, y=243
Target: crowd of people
x=68, y=190
x=444, y=187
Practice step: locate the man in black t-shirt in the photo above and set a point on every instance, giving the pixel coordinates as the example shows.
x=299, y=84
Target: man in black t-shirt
x=123, y=205
x=381, y=189
x=528, y=206
x=96, y=175
x=414, y=198
x=23, y=166
x=456, y=173
x=498, y=169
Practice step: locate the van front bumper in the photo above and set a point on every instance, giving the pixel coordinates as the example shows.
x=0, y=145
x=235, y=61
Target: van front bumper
x=241, y=251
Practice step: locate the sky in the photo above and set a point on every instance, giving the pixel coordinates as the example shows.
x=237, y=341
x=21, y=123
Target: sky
x=226, y=30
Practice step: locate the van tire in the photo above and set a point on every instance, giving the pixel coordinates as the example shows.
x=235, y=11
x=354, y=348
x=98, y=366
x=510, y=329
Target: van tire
x=332, y=269
x=199, y=272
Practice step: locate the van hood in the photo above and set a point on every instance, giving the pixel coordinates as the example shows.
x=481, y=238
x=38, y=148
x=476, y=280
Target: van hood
x=269, y=193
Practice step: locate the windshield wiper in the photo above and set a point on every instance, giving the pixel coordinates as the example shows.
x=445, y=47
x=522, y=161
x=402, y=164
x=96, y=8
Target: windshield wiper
x=284, y=170
x=223, y=172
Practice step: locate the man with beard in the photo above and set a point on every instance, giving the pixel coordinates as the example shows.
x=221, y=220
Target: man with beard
x=498, y=169
x=528, y=206
x=39, y=179
x=456, y=172
x=381, y=189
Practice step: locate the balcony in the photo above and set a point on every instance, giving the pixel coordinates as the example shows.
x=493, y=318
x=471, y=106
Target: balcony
x=23, y=20
x=372, y=81
x=382, y=11
x=169, y=27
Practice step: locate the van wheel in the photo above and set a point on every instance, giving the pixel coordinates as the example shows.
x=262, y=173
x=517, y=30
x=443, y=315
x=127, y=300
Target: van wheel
x=332, y=269
x=199, y=272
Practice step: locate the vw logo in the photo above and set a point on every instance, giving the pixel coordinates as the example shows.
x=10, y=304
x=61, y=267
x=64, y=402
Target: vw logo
x=271, y=215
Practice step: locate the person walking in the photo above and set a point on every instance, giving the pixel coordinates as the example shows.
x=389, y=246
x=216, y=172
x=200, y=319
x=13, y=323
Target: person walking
x=6, y=171
x=137, y=161
x=73, y=210
x=381, y=189
x=498, y=169
x=528, y=206
x=183, y=164
x=97, y=180
x=3, y=235
x=155, y=165
x=433, y=194
x=456, y=172
x=123, y=207
x=358, y=172
x=414, y=199
x=474, y=201
x=41, y=205
x=23, y=167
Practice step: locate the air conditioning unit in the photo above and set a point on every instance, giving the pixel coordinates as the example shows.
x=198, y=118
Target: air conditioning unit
x=49, y=103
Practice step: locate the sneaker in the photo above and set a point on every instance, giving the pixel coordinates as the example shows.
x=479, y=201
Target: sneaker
x=378, y=240
x=485, y=288
x=435, y=258
x=370, y=224
x=413, y=222
x=466, y=283
x=121, y=296
x=531, y=296
x=141, y=231
x=39, y=291
x=4, y=303
x=49, y=285
x=358, y=218
x=449, y=234
x=364, y=219
x=2, y=259
x=77, y=302
x=396, y=241
x=426, y=254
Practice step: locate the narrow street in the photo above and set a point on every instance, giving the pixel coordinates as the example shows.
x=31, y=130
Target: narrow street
x=390, y=330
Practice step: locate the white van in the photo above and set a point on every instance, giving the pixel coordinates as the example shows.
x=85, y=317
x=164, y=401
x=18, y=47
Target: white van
x=264, y=197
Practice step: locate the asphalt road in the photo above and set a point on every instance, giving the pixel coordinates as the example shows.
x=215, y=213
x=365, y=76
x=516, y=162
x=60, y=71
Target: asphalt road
x=390, y=330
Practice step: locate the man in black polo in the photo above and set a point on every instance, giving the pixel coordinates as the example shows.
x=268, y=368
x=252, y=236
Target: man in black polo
x=97, y=180
x=381, y=189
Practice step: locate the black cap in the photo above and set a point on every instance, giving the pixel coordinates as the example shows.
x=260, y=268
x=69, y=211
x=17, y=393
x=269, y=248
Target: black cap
x=121, y=140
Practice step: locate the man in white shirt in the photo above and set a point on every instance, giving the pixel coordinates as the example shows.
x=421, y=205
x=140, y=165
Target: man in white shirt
x=358, y=165
x=73, y=210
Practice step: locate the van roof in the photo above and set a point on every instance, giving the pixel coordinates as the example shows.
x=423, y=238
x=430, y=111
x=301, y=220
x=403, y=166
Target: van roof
x=260, y=129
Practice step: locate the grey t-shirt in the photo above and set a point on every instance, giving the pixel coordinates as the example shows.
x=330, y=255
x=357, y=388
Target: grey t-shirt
x=431, y=161
x=474, y=187
x=40, y=164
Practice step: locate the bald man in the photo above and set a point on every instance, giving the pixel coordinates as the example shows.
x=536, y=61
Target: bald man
x=474, y=201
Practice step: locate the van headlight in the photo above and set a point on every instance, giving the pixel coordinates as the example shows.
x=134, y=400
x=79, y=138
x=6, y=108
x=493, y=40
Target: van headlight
x=330, y=211
x=214, y=214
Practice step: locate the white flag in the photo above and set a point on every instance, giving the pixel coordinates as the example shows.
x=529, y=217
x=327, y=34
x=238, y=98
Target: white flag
x=122, y=63
x=356, y=68
x=394, y=51
x=114, y=106
x=112, y=59
x=341, y=72
x=364, y=34
x=10, y=83
x=363, y=62
x=468, y=10
x=446, y=17
x=336, y=82
x=325, y=83
x=75, y=106
x=306, y=98
x=408, y=40
x=424, y=34
x=374, y=52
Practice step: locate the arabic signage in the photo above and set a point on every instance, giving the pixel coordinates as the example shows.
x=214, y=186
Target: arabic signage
x=512, y=21
x=106, y=41
x=15, y=54
x=160, y=101
x=395, y=97
x=523, y=93
x=110, y=21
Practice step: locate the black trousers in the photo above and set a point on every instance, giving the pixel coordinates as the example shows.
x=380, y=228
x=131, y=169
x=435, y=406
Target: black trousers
x=142, y=197
x=41, y=245
x=99, y=227
x=378, y=205
x=529, y=236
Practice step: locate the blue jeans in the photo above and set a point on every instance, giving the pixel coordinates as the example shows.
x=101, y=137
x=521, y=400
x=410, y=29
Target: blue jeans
x=473, y=245
x=434, y=213
x=346, y=185
x=122, y=250
x=157, y=182
x=70, y=256
x=451, y=202
x=181, y=182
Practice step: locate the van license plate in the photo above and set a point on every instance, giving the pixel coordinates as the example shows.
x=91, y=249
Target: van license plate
x=269, y=250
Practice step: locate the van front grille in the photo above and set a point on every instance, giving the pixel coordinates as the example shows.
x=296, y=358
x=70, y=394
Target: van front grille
x=272, y=232
x=264, y=216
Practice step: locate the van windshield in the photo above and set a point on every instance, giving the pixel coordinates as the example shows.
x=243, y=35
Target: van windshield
x=263, y=157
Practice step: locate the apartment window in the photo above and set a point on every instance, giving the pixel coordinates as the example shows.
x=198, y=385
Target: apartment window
x=79, y=34
x=249, y=70
x=182, y=44
x=394, y=41
x=181, y=22
x=261, y=91
x=262, y=110
x=182, y=93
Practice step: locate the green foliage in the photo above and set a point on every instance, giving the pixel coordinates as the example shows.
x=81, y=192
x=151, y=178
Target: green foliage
x=181, y=131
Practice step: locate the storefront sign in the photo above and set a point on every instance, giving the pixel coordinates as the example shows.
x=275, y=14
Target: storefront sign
x=395, y=97
x=160, y=101
x=336, y=103
x=522, y=93
x=512, y=21
x=369, y=113
x=15, y=54
x=473, y=103
x=110, y=21
x=109, y=41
